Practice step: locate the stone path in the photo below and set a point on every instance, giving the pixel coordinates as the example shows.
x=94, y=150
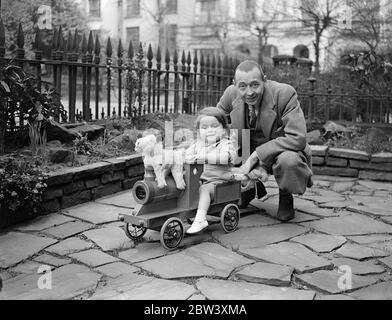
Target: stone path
x=339, y=246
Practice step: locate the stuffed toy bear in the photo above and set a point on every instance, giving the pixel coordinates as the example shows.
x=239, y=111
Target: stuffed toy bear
x=162, y=161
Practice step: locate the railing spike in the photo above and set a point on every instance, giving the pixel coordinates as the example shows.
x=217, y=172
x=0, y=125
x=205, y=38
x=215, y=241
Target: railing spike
x=195, y=59
x=2, y=34
x=37, y=41
x=183, y=59
x=90, y=45
x=109, y=48
x=20, y=37
x=54, y=40
x=97, y=49
x=84, y=44
x=150, y=54
x=76, y=41
x=167, y=56
x=219, y=62
x=69, y=42
x=159, y=55
x=120, y=49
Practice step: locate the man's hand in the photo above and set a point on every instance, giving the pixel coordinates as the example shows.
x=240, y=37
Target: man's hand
x=250, y=163
x=258, y=174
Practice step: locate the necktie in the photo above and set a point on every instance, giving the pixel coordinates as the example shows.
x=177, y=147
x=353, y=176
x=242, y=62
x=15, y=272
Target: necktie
x=252, y=116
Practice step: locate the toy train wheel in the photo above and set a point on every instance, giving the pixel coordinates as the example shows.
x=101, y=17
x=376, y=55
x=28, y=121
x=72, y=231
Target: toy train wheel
x=230, y=218
x=172, y=233
x=134, y=232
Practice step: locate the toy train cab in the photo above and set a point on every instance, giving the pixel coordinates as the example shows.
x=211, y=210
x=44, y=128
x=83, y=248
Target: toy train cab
x=164, y=210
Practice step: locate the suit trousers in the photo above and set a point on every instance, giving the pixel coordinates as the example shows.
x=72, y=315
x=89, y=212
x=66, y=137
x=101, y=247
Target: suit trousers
x=292, y=172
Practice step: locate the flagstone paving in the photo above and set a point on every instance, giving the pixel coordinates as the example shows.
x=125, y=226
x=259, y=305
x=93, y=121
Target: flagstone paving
x=239, y=290
x=68, y=229
x=359, y=267
x=110, y=238
x=320, y=242
x=266, y=273
x=380, y=291
x=206, y=259
x=93, y=258
x=328, y=281
x=45, y=222
x=289, y=254
x=117, y=269
x=16, y=247
x=341, y=225
x=359, y=252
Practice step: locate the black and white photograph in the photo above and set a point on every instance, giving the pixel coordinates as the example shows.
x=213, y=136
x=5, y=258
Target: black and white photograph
x=195, y=155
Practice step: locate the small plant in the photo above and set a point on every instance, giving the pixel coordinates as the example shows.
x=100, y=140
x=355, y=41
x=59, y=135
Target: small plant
x=38, y=137
x=83, y=146
x=21, y=186
x=134, y=78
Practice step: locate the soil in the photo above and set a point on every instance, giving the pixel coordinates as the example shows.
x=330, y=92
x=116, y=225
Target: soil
x=119, y=140
x=363, y=138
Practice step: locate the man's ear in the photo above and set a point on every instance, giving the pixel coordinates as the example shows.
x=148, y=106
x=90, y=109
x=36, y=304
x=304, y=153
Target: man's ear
x=264, y=78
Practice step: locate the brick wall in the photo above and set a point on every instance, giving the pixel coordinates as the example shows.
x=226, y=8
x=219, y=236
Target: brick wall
x=351, y=163
x=70, y=187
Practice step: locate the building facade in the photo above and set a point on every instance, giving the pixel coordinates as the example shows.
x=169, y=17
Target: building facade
x=233, y=27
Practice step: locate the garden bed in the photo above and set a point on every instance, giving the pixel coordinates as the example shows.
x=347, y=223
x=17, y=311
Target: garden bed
x=112, y=166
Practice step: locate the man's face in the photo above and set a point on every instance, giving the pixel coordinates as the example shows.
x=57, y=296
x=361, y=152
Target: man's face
x=250, y=85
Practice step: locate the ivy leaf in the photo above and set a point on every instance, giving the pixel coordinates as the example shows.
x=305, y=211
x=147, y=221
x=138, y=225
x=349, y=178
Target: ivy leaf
x=5, y=86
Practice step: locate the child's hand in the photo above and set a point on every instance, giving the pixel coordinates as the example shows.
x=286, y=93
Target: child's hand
x=240, y=177
x=191, y=158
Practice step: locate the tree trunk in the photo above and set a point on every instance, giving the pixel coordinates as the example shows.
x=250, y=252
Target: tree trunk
x=261, y=47
x=317, y=50
x=3, y=124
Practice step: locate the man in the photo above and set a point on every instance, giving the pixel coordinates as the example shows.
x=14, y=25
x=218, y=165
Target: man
x=277, y=133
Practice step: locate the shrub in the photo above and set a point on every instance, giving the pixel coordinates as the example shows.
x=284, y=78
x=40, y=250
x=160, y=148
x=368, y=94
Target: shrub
x=21, y=97
x=21, y=186
x=83, y=146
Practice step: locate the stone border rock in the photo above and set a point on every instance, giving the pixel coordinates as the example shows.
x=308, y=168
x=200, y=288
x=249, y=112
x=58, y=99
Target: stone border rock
x=70, y=187
x=351, y=163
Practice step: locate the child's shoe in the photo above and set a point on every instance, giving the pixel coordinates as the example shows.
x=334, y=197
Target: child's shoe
x=197, y=226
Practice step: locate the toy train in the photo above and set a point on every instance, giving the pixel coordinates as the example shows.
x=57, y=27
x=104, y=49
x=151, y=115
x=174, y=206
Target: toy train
x=165, y=209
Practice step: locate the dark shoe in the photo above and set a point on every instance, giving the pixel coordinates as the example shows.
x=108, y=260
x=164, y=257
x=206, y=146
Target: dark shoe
x=249, y=195
x=286, y=210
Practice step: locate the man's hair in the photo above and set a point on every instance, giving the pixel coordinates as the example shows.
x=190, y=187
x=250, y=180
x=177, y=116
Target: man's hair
x=249, y=65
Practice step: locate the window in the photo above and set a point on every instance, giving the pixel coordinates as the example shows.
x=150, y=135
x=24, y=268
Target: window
x=171, y=36
x=250, y=4
x=133, y=34
x=171, y=6
x=208, y=5
x=133, y=8
x=95, y=8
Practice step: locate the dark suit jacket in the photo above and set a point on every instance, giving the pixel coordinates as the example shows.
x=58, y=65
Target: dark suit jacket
x=280, y=118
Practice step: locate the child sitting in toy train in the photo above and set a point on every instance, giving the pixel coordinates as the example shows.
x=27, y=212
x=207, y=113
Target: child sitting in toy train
x=213, y=148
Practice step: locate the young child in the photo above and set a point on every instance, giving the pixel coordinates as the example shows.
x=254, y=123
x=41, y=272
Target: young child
x=217, y=152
